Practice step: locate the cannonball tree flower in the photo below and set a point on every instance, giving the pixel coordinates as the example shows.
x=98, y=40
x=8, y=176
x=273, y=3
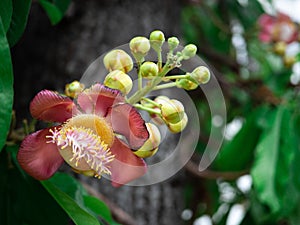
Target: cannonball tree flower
x=95, y=134
x=278, y=29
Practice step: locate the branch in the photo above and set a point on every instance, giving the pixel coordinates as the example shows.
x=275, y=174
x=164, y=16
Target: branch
x=118, y=214
x=209, y=174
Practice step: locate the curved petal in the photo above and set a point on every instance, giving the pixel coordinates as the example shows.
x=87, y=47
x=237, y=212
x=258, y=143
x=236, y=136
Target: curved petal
x=98, y=99
x=50, y=106
x=38, y=158
x=126, y=166
x=126, y=120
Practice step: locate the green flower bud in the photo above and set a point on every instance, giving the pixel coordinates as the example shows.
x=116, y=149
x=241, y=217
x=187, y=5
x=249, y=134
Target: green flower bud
x=178, y=127
x=173, y=42
x=157, y=119
x=201, y=75
x=73, y=89
x=118, y=60
x=139, y=47
x=117, y=79
x=189, y=51
x=149, y=70
x=172, y=111
x=186, y=84
x=157, y=38
x=150, y=147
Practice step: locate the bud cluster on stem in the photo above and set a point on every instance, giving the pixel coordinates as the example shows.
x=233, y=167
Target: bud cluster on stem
x=163, y=110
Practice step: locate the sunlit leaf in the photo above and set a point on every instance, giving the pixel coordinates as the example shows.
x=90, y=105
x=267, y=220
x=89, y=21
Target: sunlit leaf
x=6, y=86
x=272, y=169
x=264, y=169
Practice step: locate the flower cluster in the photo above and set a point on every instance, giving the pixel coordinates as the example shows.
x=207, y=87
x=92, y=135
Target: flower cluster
x=99, y=130
x=280, y=31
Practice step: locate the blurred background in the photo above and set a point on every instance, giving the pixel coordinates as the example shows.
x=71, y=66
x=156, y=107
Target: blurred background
x=252, y=47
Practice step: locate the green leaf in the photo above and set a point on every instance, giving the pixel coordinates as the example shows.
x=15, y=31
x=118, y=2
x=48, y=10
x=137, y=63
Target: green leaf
x=245, y=13
x=6, y=13
x=55, y=9
x=70, y=186
x=98, y=208
x=201, y=29
x=264, y=169
x=77, y=213
x=238, y=153
x=18, y=21
x=6, y=86
x=272, y=170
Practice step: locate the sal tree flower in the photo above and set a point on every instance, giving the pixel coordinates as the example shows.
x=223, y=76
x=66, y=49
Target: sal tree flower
x=95, y=135
x=277, y=29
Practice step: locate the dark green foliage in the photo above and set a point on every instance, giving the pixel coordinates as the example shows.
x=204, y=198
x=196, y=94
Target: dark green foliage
x=6, y=86
x=55, y=9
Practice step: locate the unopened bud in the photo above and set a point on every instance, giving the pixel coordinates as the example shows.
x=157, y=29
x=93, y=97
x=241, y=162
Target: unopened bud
x=139, y=47
x=118, y=60
x=157, y=119
x=172, y=111
x=178, y=127
x=173, y=42
x=150, y=147
x=289, y=61
x=189, y=51
x=149, y=70
x=186, y=84
x=279, y=48
x=201, y=75
x=157, y=38
x=118, y=80
x=73, y=89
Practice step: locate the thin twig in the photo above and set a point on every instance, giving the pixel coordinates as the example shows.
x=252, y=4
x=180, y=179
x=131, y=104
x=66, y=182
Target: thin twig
x=209, y=174
x=118, y=214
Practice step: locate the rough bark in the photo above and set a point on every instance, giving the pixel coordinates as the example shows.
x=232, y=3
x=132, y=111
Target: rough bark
x=48, y=57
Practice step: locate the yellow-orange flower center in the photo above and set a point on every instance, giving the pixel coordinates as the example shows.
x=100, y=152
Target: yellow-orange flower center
x=84, y=142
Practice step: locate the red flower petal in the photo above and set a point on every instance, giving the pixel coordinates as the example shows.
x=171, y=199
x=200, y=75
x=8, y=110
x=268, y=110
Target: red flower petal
x=98, y=99
x=50, y=106
x=126, y=166
x=38, y=158
x=126, y=120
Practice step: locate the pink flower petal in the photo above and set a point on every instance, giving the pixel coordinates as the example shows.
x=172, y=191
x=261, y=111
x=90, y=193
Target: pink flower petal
x=266, y=20
x=126, y=166
x=126, y=120
x=265, y=37
x=50, y=106
x=98, y=99
x=38, y=158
